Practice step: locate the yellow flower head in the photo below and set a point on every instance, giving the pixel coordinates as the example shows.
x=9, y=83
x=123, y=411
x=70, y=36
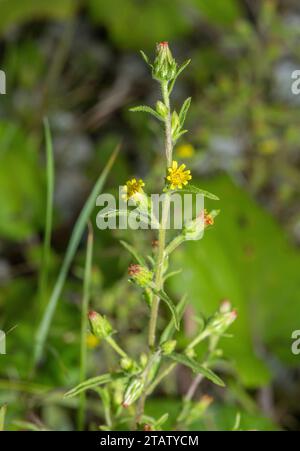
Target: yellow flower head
x=92, y=341
x=132, y=187
x=178, y=176
x=185, y=151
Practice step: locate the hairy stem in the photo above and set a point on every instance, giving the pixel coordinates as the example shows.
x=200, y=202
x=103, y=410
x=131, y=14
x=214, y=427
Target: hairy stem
x=162, y=231
x=158, y=279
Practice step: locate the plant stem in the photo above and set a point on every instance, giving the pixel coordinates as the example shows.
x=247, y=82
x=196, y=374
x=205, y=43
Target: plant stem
x=158, y=279
x=160, y=377
x=162, y=231
x=116, y=347
x=84, y=324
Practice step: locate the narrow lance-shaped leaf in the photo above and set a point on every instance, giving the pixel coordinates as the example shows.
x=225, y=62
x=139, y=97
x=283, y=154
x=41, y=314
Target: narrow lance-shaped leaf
x=184, y=109
x=196, y=367
x=164, y=297
x=92, y=383
x=195, y=190
x=137, y=214
x=181, y=68
x=133, y=252
x=170, y=329
x=76, y=235
x=146, y=109
x=145, y=58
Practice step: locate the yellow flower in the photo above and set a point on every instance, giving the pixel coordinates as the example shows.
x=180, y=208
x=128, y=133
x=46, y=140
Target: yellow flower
x=92, y=341
x=268, y=147
x=178, y=176
x=132, y=187
x=185, y=151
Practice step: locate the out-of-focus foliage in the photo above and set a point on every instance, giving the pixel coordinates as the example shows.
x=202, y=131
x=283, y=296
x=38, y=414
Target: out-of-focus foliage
x=74, y=61
x=233, y=261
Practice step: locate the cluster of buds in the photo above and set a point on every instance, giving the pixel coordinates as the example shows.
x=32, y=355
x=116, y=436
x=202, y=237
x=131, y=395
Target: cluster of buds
x=141, y=275
x=100, y=326
x=168, y=347
x=193, y=230
x=164, y=67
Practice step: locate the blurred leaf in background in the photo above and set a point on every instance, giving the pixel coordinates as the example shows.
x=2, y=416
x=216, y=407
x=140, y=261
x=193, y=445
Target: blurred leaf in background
x=246, y=258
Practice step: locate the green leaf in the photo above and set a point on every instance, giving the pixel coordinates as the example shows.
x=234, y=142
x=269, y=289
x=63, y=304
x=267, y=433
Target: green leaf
x=139, y=215
x=184, y=109
x=181, y=68
x=170, y=329
x=196, y=190
x=146, y=109
x=196, y=367
x=172, y=274
x=78, y=230
x=164, y=297
x=179, y=134
x=93, y=382
x=145, y=58
x=133, y=252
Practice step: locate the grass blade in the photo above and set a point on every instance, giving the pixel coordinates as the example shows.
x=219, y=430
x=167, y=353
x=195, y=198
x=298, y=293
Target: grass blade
x=84, y=323
x=76, y=235
x=2, y=416
x=43, y=276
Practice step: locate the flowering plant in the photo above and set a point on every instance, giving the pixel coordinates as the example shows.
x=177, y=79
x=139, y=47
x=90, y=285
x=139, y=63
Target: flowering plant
x=138, y=376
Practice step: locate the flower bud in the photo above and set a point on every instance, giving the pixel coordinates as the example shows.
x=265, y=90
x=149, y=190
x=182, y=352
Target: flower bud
x=126, y=363
x=168, y=347
x=221, y=321
x=190, y=352
x=161, y=109
x=164, y=66
x=100, y=326
x=225, y=306
x=193, y=230
x=141, y=275
x=133, y=391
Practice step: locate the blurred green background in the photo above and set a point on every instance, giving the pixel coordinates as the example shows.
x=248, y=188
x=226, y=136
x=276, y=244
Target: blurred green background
x=77, y=63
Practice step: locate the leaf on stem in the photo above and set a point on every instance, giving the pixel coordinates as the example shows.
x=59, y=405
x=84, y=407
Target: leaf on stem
x=164, y=297
x=133, y=252
x=181, y=68
x=196, y=367
x=170, y=329
x=184, y=109
x=195, y=190
x=92, y=383
x=146, y=109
